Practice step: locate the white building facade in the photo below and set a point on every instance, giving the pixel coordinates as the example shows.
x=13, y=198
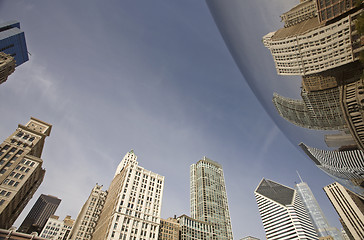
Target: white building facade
x=133, y=206
x=89, y=215
x=283, y=213
x=57, y=229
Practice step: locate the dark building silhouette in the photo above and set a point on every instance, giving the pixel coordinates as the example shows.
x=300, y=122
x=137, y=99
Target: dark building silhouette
x=44, y=207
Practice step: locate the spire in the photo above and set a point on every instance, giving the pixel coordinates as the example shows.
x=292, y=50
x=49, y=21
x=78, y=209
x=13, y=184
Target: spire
x=299, y=176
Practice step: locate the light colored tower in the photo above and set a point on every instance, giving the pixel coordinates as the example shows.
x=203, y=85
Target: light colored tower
x=318, y=218
x=283, y=214
x=21, y=170
x=350, y=208
x=133, y=203
x=209, y=201
x=89, y=215
x=56, y=228
x=7, y=66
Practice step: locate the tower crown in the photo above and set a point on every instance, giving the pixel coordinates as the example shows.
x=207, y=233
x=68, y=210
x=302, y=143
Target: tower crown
x=129, y=158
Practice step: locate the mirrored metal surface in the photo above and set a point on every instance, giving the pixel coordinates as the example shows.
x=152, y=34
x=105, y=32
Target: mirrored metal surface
x=307, y=71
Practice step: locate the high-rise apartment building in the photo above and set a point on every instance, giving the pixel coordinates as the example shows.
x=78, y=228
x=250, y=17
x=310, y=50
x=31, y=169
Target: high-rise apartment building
x=44, y=207
x=56, y=228
x=350, y=208
x=133, y=203
x=21, y=170
x=209, y=201
x=283, y=213
x=7, y=66
x=318, y=218
x=12, y=41
x=87, y=218
x=169, y=229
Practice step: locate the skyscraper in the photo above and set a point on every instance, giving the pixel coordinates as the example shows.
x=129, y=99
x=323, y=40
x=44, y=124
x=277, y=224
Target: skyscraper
x=283, y=214
x=89, y=215
x=318, y=218
x=169, y=229
x=133, y=203
x=209, y=201
x=346, y=166
x=350, y=208
x=12, y=41
x=21, y=170
x=44, y=207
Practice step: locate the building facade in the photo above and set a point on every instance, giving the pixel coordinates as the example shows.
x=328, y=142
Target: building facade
x=320, y=110
x=192, y=229
x=169, y=229
x=318, y=218
x=345, y=166
x=21, y=170
x=350, y=208
x=44, y=207
x=88, y=216
x=12, y=42
x=209, y=201
x=282, y=212
x=57, y=229
x=311, y=47
x=7, y=66
x=133, y=203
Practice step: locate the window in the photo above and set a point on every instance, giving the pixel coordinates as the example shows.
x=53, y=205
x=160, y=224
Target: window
x=2, y=202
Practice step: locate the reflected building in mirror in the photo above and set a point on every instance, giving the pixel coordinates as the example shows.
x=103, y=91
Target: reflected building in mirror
x=321, y=43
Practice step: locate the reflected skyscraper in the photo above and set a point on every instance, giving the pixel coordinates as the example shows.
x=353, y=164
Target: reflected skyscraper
x=318, y=218
x=346, y=167
x=283, y=213
x=209, y=201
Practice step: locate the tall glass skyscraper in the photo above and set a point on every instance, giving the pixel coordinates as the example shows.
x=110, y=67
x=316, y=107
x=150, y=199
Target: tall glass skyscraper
x=12, y=42
x=318, y=218
x=208, y=197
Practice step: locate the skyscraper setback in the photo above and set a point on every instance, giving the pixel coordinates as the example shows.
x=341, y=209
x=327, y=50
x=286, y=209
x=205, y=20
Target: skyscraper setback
x=209, y=201
x=21, y=170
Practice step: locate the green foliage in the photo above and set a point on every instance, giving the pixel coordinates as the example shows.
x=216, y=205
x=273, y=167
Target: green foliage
x=359, y=25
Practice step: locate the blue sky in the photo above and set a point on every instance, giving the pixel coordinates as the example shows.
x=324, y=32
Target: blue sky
x=156, y=77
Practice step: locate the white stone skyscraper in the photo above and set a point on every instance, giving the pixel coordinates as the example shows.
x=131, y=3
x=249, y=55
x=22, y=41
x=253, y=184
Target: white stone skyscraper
x=209, y=201
x=318, y=218
x=133, y=204
x=283, y=214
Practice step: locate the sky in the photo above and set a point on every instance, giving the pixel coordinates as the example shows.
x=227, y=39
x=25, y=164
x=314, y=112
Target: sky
x=156, y=77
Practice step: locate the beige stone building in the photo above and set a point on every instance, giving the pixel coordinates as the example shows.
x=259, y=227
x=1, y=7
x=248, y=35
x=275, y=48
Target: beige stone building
x=21, y=170
x=57, y=229
x=7, y=66
x=89, y=215
x=350, y=208
x=169, y=229
x=133, y=203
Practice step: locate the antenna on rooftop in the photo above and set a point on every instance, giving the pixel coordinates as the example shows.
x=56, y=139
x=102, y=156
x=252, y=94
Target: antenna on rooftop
x=299, y=176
